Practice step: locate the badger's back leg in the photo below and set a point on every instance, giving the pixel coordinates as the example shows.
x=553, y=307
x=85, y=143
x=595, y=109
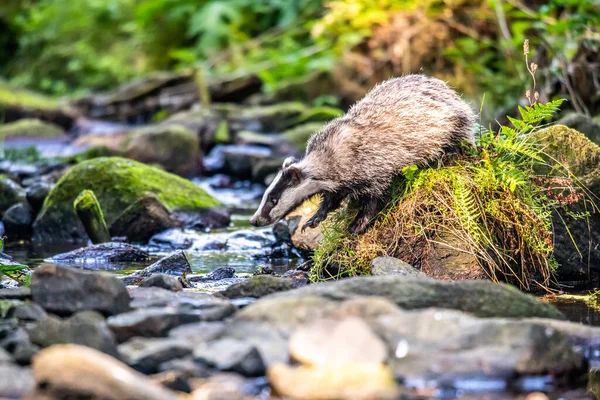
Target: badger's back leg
x=369, y=207
x=329, y=202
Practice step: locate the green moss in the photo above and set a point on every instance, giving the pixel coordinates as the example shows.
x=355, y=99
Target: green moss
x=222, y=133
x=10, y=96
x=117, y=183
x=90, y=213
x=567, y=146
x=30, y=128
x=299, y=135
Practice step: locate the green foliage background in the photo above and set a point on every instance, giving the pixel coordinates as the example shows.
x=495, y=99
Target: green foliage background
x=67, y=46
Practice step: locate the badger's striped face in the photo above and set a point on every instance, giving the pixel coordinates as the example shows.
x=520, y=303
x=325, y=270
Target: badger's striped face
x=285, y=193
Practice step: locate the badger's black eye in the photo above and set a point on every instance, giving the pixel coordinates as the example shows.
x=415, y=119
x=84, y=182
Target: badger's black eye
x=273, y=201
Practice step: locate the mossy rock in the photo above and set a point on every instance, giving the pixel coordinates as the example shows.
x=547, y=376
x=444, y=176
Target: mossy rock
x=117, y=183
x=30, y=127
x=174, y=147
x=10, y=193
x=10, y=96
x=583, y=124
x=299, y=135
x=482, y=298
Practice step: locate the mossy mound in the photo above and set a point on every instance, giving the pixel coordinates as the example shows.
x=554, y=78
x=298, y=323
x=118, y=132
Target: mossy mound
x=117, y=183
x=10, y=96
x=30, y=127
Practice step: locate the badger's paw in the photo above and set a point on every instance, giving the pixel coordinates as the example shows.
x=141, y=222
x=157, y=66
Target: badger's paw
x=313, y=222
x=359, y=225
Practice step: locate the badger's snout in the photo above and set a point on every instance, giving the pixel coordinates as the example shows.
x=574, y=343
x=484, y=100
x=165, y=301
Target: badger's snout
x=257, y=220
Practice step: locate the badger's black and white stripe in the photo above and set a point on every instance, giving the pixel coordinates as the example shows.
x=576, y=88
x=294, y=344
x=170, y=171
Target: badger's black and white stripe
x=403, y=121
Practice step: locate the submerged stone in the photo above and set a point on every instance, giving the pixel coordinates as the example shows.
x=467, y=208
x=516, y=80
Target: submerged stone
x=117, y=183
x=111, y=252
x=175, y=264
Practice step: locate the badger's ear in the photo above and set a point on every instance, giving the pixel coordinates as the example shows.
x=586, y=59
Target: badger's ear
x=294, y=173
x=288, y=161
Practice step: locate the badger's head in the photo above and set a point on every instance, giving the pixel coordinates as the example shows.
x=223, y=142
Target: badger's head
x=290, y=188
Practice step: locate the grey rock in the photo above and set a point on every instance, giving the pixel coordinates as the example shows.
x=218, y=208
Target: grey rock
x=299, y=278
x=198, y=332
x=26, y=312
x=163, y=281
x=188, y=367
x=64, y=291
x=258, y=286
x=583, y=124
x=479, y=297
x=216, y=275
x=175, y=264
x=145, y=355
x=231, y=355
x=15, y=340
x=21, y=293
x=157, y=322
x=86, y=328
x=203, y=219
x=10, y=193
x=18, y=220
x=102, y=253
x=394, y=266
x=15, y=382
x=37, y=193
x=174, y=380
x=159, y=297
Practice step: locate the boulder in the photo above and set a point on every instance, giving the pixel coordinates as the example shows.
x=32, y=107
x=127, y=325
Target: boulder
x=37, y=193
x=204, y=122
x=576, y=239
x=97, y=255
x=480, y=297
x=18, y=219
x=173, y=147
x=73, y=371
x=258, y=286
x=394, y=266
x=117, y=183
x=145, y=355
x=64, y=291
x=164, y=281
x=583, y=124
x=143, y=219
x=86, y=328
x=175, y=264
x=31, y=127
x=10, y=193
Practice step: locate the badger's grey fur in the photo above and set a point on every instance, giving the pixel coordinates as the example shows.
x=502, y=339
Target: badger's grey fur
x=409, y=120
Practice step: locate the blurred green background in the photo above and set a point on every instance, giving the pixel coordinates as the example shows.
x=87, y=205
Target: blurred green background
x=72, y=47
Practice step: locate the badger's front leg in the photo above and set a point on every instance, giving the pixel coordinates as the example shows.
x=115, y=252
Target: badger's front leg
x=329, y=202
x=369, y=207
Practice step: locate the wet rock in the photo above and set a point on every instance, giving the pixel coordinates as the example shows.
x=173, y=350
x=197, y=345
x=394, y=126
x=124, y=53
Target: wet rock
x=173, y=239
x=64, y=291
x=117, y=183
x=26, y=312
x=145, y=355
x=273, y=118
x=394, y=266
x=258, y=286
x=216, y=275
x=163, y=281
x=72, y=371
x=86, y=328
x=158, y=321
x=175, y=264
x=111, y=252
x=231, y=355
x=16, y=382
x=482, y=298
x=352, y=381
x=311, y=237
x=203, y=219
x=174, y=147
x=37, y=193
x=142, y=220
x=18, y=219
x=239, y=160
x=10, y=193
x=187, y=367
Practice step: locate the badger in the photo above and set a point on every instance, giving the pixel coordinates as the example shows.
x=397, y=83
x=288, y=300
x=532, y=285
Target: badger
x=408, y=120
